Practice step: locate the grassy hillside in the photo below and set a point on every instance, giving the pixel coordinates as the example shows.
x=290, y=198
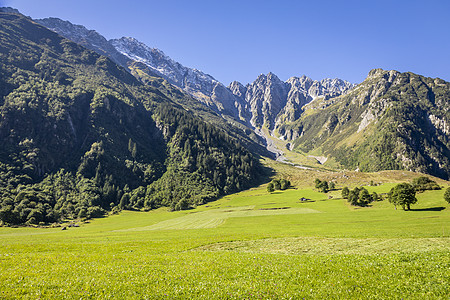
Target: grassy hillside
x=81, y=136
x=248, y=245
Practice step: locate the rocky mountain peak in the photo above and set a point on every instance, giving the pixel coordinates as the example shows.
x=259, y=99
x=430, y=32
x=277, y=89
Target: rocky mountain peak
x=153, y=58
x=375, y=73
x=203, y=87
x=237, y=89
x=272, y=76
x=380, y=74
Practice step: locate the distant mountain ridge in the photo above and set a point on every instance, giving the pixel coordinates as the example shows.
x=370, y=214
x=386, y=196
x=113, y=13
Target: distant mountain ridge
x=266, y=101
x=257, y=103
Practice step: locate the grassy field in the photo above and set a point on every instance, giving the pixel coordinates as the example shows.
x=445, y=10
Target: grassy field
x=250, y=245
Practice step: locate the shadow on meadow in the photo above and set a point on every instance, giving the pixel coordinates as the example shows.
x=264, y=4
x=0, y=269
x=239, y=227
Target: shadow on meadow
x=438, y=208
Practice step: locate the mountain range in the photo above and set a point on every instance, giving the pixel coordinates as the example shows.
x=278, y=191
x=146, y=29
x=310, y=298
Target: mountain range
x=90, y=125
x=304, y=111
x=267, y=101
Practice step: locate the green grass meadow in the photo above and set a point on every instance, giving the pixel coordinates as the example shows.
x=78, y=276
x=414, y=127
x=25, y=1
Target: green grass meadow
x=250, y=245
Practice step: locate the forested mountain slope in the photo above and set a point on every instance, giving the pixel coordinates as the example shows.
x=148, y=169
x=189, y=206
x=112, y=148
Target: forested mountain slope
x=392, y=120
x=81, y=135
x=191, y=88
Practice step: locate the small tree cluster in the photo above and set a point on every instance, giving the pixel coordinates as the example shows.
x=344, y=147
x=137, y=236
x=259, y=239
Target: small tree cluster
x=424, y=183
x=403, y=194
x=278, y=184
x=359, y=196
x=324, y=186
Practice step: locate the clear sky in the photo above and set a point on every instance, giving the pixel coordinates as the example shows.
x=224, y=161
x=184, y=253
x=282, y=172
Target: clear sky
x=238, y=40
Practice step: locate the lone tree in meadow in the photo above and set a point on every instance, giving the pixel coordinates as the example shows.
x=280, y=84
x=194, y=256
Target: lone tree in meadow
x=447, y=195
x=270, y=187
x=403, y=194
x=276, y=184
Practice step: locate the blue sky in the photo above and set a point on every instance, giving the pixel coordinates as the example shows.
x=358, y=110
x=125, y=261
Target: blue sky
x=238, y=40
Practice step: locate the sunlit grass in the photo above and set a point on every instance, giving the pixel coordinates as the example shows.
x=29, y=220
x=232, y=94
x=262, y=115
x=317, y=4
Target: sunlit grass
x=250, y=245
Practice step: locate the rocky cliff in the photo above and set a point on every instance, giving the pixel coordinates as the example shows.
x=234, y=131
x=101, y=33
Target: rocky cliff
x=271, y=102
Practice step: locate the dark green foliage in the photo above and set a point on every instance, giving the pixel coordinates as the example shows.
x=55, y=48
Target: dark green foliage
x=59, y=196
x=317, y=182
x=424, y=183
x=359, y=196
x=403, y=194
x=345, y=192
x=447, y=195
x=81, y=136
x=203, y=161
x=324, y=186
x=278, y=184
x=376, y=197
x=332, y=185
x=284, y=184
x=183, y=204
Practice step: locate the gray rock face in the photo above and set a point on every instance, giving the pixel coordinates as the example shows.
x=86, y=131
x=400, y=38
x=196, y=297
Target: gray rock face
x=239, y=91
x=272, y=102
x=266, y=96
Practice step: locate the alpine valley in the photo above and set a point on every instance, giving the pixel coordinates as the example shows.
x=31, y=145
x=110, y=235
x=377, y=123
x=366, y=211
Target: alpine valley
x=90, y=125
